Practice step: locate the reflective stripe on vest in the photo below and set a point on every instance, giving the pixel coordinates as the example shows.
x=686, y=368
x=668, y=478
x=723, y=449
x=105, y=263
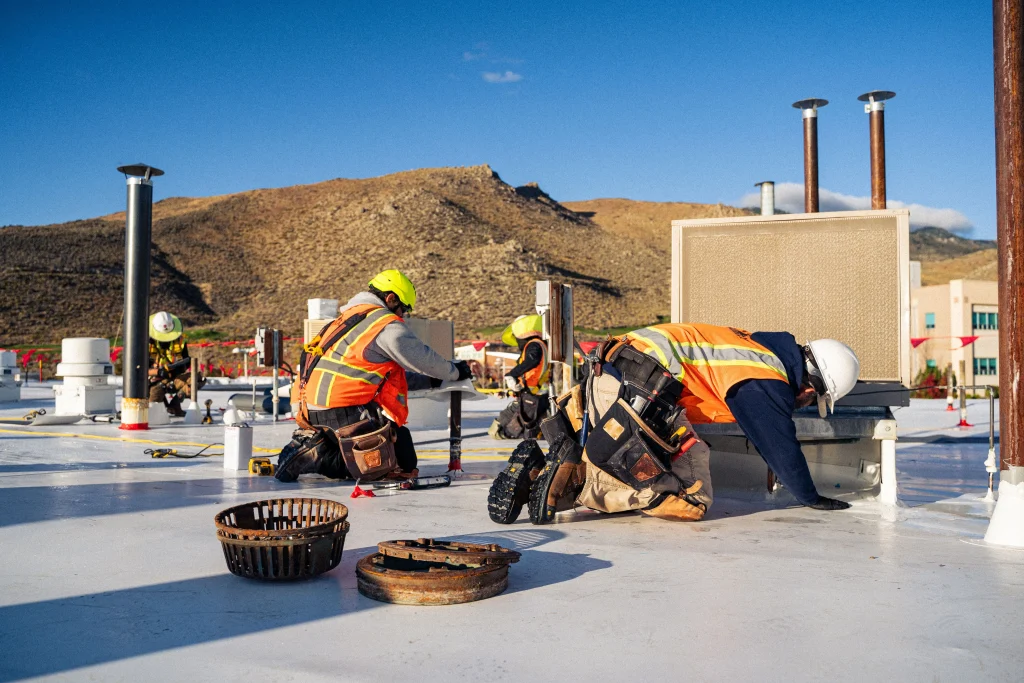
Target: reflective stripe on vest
x=708, y=360
x=536, y=378
x=162, y=356
x=343, y=377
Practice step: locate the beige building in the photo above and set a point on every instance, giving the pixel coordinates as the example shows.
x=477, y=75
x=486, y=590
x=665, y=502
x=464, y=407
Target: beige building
x=942, y=314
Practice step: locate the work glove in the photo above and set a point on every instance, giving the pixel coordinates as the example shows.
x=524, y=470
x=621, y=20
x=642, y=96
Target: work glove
x=824, y=503
x=435, y=383
x=511, y=383
x=464, y=371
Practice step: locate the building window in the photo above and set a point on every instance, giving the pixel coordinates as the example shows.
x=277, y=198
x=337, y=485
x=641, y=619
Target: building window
x=985, y=321
x=929, y=321
x=985, y=366
x=931, y=363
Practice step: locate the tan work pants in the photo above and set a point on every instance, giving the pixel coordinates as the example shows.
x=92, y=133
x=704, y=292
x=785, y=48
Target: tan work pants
x=605, y=493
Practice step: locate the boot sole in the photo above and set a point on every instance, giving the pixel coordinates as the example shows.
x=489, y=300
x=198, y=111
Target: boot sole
x=540, y=511
x=538, y=506
x=513, y=483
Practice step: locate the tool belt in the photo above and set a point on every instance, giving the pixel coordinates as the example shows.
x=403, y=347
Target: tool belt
x=626, y=447
x=368, y=449
x=639, y=436
x=650, y=390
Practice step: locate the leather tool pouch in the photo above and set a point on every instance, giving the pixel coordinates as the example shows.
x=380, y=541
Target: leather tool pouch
x=637, y=463
x=629, y=450
x=368, y=449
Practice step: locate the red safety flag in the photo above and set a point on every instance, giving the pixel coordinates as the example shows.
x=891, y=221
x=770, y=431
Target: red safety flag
x=967, y=341
x=917, y=341
x=479, y=345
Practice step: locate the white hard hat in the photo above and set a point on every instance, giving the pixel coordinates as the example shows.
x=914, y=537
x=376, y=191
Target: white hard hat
x=164, y=326
x=835, y=367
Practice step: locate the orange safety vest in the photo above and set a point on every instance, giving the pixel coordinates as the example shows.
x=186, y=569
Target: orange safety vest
x=708, y=360
x=536, y=379
x=340, y=376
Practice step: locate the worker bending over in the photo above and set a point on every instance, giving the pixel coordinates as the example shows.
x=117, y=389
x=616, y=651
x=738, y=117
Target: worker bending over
x=354, y=371
x=528, y=381
x=645, y=392
x=170, y=372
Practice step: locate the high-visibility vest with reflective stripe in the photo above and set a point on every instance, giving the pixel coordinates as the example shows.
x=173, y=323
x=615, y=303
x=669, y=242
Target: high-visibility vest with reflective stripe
x=536, y=379
x=708, y=360
x=342, y=377
x=162, y=356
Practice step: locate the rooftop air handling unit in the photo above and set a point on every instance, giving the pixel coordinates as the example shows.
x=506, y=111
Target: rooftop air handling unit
x=10, y=377
x=86, y=368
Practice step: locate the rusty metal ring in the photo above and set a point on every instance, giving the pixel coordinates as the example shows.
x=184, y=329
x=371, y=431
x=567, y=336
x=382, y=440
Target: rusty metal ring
x=417, y=582
x=450, y=552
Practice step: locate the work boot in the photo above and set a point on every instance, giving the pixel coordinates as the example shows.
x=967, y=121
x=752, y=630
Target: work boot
x=174, y=408
x=678, y=508
x=510, y=490
x=311, y=451
x=559, y=483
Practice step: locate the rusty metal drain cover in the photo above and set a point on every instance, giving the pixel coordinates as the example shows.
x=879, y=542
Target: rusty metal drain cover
x=434, y=572
x=451, y=552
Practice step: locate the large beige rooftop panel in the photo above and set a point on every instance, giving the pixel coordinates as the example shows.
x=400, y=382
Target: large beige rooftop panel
x=844, y=275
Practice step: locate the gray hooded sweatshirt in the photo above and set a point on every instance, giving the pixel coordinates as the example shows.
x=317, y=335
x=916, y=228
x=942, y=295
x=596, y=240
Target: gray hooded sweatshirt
x=398, y=343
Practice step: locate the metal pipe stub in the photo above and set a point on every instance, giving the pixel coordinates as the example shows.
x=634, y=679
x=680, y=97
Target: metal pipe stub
x=429, y=572
x=875, y=108
x=810, y=108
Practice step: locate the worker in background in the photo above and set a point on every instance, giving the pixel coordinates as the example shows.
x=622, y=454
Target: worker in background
x=645, y=392
x=170, y=378
x=355, y=369
x=527, y=381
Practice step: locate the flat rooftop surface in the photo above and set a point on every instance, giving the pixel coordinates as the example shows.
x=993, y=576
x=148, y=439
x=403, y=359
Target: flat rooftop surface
x=110, y=571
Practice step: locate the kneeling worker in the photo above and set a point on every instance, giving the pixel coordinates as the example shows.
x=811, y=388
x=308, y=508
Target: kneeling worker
x=355, y=369
x=528, y=381
x=169, y=374
x=642, y=453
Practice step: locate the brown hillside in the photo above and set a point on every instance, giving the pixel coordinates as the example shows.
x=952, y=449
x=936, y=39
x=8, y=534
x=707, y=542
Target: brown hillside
x=648, y=221
x=979, y=265
x=473, y=244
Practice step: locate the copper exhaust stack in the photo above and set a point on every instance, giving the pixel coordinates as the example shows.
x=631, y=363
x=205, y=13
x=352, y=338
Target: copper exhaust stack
x=810, y=114
x=875, y=108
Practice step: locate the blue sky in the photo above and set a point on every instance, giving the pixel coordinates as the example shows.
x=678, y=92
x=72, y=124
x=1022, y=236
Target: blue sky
x=675, y=101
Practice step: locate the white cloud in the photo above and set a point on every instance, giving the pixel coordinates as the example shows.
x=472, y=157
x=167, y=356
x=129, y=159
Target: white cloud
x=497, y=77
x=468, y=56
x=789, y=197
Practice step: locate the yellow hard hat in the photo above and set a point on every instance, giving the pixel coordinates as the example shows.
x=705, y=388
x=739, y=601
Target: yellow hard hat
x=395, y=281
x=522, y=327
x=164, y=326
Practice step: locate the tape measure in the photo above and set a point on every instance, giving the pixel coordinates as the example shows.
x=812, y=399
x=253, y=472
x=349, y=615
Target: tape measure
x=261, y=467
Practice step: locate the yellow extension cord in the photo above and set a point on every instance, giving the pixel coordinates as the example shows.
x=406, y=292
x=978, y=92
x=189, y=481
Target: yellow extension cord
x=426, y=454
